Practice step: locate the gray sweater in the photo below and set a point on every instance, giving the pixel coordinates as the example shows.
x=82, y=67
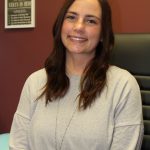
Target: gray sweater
x=113, y=122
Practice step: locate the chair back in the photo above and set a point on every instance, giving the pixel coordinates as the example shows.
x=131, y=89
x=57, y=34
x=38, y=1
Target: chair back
x=132, y=52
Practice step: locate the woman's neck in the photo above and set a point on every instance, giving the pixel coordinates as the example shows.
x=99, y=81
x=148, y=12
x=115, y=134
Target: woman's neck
x=75, y=64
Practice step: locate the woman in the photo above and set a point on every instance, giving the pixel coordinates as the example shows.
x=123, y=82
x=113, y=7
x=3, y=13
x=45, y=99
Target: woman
x=79, y=101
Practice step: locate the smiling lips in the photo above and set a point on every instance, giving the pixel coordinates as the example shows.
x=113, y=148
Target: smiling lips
x=77, y=38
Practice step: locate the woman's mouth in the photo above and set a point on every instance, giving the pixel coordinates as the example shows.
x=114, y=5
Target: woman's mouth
x=77, y=38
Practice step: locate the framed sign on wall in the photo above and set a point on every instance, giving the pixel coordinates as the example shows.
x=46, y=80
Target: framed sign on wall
x=19, y=14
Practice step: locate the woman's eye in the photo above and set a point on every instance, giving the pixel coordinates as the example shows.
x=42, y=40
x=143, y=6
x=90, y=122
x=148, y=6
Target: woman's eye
x=70, y=17
x=91, y=21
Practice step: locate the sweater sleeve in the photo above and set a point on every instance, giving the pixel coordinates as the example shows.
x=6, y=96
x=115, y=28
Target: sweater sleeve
x=128, y=130
x=20, y=125
x=127, y=137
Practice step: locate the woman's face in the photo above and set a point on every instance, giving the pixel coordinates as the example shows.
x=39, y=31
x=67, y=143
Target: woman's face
x=81, y=28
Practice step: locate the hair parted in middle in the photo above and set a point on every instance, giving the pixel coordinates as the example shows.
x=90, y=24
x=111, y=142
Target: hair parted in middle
x=94, y=78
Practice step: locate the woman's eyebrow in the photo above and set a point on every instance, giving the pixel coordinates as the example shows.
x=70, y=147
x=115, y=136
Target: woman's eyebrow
x=93, y=16
x=72, y=12
x=88, y=15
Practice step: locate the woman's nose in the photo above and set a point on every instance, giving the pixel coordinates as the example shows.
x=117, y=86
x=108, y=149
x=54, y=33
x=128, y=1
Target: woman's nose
x=79, y=25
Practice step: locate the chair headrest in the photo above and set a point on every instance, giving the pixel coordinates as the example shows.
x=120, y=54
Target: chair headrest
x=132, y=52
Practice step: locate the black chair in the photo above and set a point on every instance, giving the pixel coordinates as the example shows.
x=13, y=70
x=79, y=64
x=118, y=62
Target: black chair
x=132, y=52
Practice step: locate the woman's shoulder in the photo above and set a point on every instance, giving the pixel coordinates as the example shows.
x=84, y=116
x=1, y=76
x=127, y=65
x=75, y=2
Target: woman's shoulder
x=38, y=77
x=118, y=72
x=121, y=76
x=121, y=82
x=41, y=73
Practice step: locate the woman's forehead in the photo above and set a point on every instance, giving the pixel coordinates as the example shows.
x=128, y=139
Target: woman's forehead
x=91, y=7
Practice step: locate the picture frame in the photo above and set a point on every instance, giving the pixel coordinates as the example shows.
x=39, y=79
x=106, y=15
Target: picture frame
x=19, y=14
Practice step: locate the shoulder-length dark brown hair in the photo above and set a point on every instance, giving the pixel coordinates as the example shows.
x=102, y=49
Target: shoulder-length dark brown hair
x=94, y=77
